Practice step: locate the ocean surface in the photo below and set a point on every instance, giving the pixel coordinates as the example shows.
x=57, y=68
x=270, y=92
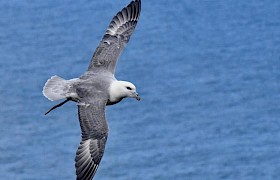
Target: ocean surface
x=208, y=73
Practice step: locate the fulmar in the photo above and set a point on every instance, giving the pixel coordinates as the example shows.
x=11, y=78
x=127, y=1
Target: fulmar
x=96, y=88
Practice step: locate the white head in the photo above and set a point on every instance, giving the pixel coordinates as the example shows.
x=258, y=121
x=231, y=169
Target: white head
x=122, y=89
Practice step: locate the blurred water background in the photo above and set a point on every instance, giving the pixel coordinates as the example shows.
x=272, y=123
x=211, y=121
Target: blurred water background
x=207, y=71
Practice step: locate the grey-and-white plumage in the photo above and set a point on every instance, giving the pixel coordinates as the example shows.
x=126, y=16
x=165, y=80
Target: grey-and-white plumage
x=96, y=88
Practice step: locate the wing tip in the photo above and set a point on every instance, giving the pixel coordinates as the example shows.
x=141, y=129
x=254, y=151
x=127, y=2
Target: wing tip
x=130, y=13
x=85, y=165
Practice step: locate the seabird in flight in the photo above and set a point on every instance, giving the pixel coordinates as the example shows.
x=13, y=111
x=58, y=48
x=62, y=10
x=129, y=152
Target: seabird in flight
x=96, y=88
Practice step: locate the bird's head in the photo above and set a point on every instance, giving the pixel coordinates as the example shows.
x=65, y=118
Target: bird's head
x=123, y=89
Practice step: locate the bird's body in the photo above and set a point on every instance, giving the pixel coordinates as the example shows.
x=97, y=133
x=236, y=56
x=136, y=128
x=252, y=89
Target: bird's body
x=96, y=88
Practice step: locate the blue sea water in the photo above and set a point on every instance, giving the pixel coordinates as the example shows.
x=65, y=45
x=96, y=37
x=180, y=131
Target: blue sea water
x=207, y=71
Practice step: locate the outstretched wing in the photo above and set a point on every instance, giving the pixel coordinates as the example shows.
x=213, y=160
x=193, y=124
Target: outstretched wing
x=117, y=35
x=94, y=135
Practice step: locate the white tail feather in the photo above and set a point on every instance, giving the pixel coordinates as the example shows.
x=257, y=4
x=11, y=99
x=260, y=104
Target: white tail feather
x=55, y=88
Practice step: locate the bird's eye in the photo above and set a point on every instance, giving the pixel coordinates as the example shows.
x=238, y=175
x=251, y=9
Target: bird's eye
x=129, y=88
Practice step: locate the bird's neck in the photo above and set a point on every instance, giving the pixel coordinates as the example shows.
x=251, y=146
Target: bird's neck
x=115, y=92
x=109, y=102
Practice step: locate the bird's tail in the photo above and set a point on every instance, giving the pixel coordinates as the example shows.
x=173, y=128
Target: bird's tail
x=56, y=88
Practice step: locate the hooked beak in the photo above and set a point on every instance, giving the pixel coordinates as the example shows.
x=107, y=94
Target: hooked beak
x=137, y=97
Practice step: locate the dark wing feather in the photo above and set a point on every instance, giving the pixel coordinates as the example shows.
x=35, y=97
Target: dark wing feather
x=94, y=135
x=117, y=35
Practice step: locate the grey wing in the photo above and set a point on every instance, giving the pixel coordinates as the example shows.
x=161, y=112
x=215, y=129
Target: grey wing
x=94, y=135
x=117, y=35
